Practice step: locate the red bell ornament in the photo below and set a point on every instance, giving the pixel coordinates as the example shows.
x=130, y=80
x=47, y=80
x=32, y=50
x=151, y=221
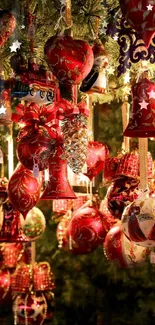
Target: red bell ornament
x=86, y=230
x=70, y=60
x=140, y=15
x=120, y=250
x=97, y=153
x=8, y=23
x=141, y=123
x=24, y=190
x=30, y=309
x=138, y=221
x=58, y=186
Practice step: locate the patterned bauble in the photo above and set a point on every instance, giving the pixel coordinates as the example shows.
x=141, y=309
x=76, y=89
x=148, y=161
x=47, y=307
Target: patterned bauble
x=96, y=156
x=138, y=221
x=140, y=17
x=24, y=190
x=30, y=309
x=33, y=226
x=5, y=282
x=86, y=230
x=70, y=60
x=75, y=141
x=8, y=23
x=110, y=167
x=35, y=147
x=119, y=249
x=108, y=220
x=121, y=192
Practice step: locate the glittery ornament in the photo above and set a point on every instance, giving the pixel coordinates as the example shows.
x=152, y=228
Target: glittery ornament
x=33, y=226
x=119, y=249
x=11, y=254
x=75, y=141
x=43, y=277
x=5, y=282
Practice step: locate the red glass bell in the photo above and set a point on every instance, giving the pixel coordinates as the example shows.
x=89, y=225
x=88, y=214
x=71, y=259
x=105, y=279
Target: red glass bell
x=142, y=121
x=58, y=186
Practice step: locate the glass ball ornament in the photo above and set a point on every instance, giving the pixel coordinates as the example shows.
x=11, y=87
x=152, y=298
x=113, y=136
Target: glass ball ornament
x=33, y=226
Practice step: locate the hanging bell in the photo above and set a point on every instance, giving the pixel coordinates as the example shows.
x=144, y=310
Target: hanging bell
x=58, y=186
x=5, y=108
x=142, y=121
x=96, y=80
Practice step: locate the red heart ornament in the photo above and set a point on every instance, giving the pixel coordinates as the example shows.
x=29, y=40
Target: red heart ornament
x=140, y=17
x=70, y=60
x=7, y=23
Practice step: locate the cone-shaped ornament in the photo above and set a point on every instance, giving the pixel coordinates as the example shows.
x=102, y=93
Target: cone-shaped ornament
x=58, y=186
x=142, y=121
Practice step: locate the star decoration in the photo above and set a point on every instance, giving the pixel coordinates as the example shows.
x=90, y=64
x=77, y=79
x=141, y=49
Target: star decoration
x=15, y=45
x=115, y=37
x=149, y=7
x=22, y=26
x=111, y=70
x=143, y=104
x=127, y=77
x=151, y=94
x=2, y=110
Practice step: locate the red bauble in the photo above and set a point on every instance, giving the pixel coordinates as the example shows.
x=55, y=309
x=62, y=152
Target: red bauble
x=35, y=148
x=5, y=283
x=30, y=309
x=24, y=190
x=119, y=249
x=120, y=194
x=140, y=18
x=96, y=155
x=86, y=230
x=8, y=23
x=70, y=60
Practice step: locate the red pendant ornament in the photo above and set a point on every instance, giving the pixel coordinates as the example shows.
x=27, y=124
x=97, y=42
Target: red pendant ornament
x=86, y=230
x=119, y=249
x=138, y=221
x=141, y=123
x=58, y=185
x=24, y=190
x=70, y=60
x=97, y=153
x=30, y=309
x=140, y=17
x=122, y=191
x=8, y=23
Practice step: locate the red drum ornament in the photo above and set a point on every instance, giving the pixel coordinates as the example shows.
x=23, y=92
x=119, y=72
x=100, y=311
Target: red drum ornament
x=120, y=194
x=24, y=190
x=11, y=254
x=30, y=309
x=138, y=221
x=7, y=23
x=97, y=153
x=43, y=277
x=61, y=206
x=141, y=123
x=119, y=249
x=33, y=226
x=86, y=230
x=140, y=17
x=128, y=165
x=58, y=186
x=70, y=60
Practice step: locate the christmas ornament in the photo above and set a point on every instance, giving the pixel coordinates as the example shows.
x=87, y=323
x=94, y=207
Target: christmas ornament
x=128, y=165
x=79, y=201
x=58, y=185
x=138, y=221
x=107, y=218
x=30, y=309
x=43, y=277
x=70, y=60
x=86, y=230
x=24, y=190
x=22, y=279
x=5, y=108
x=15, y=45
x=61, y=231
x=8, y=23
x=75, y=142
x=33, y=226
x=3, y=189
x=95, y=81
x=140, y=18
x=119, y=249
x=141, y=123
x=97, y=153
x=5, y=282
x=120, y=194
x=110, y=167
x=62, y=206
x=11, y=254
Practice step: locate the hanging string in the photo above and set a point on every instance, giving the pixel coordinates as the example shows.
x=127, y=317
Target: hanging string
x=143, y=151
x=68, y=13
x=10, y=154
x=125, y=121
x=33, y=252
